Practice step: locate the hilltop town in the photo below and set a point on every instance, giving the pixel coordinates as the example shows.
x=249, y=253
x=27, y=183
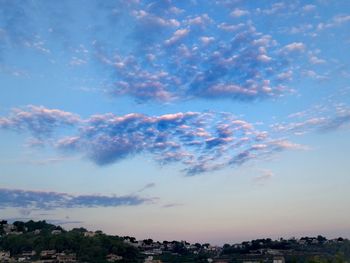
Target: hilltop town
x=42, y=242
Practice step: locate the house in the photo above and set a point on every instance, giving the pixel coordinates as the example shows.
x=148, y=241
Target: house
x=278, y=260
x=151, y=260
x=113, y=258
x=213, y=248
x=89, y=234
x=238, y=246
x=273, y=252
x=66, y=258
x=8, y=228
x=301, y=241
x=48, y=254
x=4, y=256
x=56, y=232
x=15, y=233
x=26, y=255
x=155, y=251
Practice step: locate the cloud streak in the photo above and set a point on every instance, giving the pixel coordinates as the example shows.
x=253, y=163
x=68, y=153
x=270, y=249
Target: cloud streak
x=317, y=119
x=54, y=200
x=265, y=176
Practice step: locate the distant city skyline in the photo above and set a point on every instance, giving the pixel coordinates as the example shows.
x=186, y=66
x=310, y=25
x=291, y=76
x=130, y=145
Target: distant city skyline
x=209, y=121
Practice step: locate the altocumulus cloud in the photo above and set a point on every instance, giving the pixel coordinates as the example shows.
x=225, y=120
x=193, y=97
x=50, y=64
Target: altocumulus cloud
x=195, y=56
x=201, y=142
x=174, y=51
x=54, y=200
x=244, y=67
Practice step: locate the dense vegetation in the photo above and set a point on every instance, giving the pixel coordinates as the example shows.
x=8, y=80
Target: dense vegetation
x=87, y=249
x=307, y=249
x=19, y=237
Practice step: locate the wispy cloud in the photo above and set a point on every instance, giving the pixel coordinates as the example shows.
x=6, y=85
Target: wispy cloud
x=265, y=175
x=336, y=21
x=54, y=200
x=171, y=205
x=147, y=186
x=316, y=119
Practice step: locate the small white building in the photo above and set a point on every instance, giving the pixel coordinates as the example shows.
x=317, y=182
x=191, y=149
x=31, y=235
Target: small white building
x=113, y=258
x=8, y=228
x=278, y=260
x=4, y=256
x=56, y=232
x=89, y=234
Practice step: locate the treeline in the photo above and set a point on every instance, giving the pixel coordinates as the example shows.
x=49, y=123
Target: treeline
x=95, y=246
x=38, y=236
x=301, y=250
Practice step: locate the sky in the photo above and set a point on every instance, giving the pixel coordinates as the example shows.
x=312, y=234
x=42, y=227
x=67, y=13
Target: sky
x=207, y=121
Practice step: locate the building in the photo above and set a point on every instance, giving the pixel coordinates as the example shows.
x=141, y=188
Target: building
x=89, y=234
x=56, y=232
x=48, y=254
x=8, y=228
x=4, y=256
x=26, y=255
x=278, y=260
x=151, y=260
x=66, y=258
x=113, y=258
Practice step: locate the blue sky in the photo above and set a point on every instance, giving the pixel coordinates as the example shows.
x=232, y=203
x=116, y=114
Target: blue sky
x=211, y=121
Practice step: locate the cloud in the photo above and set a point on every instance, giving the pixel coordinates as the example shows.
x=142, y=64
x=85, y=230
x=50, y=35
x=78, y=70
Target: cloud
x=316, y=119
x=207, y=40
x=38, y=120
x=265, y=176
x=239, y=13
x=294, y=47
x=200, y=20
x=177, y=36
x=196, y=60
x=168, y=51
x=276, y=8
x=150, y=25
x=314, y=75
x=147, y=186
x=315, y=60
x=229, y=27
x=53, y=200
x=305, y=29
x=336, y=21
x=171, y=205
x=308, y=8
x=200, y=142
